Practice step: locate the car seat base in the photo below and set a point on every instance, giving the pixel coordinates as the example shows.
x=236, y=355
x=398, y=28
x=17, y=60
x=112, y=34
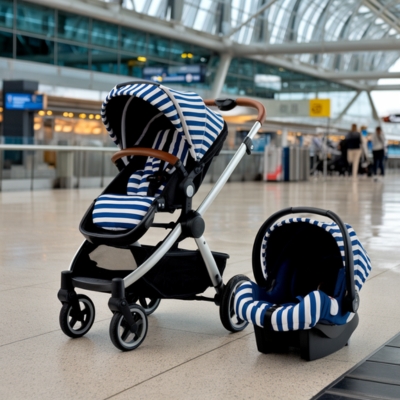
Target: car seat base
x=320, y=341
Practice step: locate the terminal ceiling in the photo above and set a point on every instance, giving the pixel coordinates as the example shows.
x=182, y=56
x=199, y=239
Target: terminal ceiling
x=356, y=41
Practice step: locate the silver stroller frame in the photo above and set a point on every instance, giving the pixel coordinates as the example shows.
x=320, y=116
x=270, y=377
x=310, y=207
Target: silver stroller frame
x=129, y=325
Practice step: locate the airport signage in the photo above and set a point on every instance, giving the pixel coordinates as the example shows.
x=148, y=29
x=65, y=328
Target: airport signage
x=24, y=101
x=320, y=108
x=181, y=74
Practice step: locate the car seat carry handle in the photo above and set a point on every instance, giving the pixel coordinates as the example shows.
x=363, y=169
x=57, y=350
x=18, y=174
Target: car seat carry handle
x=229, y=104
x=351, y=299
x=146, y=152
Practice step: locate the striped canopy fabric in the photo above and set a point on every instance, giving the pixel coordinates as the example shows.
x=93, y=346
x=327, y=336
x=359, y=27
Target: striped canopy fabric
x=362, y=262
x=303, y=312
x=186, y=111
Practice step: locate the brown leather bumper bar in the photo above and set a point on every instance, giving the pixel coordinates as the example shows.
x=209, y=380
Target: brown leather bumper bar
x=146, y=152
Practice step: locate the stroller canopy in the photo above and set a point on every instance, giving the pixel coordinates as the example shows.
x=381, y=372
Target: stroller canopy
x=132, y=110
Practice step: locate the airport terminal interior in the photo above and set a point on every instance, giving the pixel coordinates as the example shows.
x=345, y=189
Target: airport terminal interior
x=307, y=120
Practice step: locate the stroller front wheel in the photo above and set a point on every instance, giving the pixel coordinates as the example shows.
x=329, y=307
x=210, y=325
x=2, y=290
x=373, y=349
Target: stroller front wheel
x=227, y=314
x=73, y=324
x=121, y=335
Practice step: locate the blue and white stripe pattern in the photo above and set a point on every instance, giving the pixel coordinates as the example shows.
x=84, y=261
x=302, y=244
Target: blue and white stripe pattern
x=362, y=262
x=313, y=308
x=108, y=209
x=186, y=110
x=251, y=301
x=118, y=212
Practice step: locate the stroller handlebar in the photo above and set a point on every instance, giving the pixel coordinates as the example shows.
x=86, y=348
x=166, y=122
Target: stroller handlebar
x=146, y=152
x=229, y=104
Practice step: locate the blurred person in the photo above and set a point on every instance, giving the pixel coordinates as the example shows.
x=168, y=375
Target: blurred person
x=354, y=148
x=378, y=151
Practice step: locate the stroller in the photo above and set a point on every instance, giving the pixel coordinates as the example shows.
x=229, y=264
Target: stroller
x=308, y=276
x=168, y=140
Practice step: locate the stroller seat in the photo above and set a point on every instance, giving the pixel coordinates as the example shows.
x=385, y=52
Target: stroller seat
x=167, y=140
x=300, y=269
x=121, y=212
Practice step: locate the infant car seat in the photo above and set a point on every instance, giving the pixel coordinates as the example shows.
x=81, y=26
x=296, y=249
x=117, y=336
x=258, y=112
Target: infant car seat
x=308, y=276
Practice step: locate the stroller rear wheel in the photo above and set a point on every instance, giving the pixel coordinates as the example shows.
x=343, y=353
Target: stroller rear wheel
x=149, y=304
x=74, y=325
x=229, y=319
x=121, y=336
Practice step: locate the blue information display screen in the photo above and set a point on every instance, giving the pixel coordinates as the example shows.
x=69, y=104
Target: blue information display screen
x=181, y=74
x=24, y=101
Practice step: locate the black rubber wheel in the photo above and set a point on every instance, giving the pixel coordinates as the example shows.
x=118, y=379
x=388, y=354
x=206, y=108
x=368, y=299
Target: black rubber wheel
x=229, y=319
x=120, y=334
x=73, y=326
x=149, y=305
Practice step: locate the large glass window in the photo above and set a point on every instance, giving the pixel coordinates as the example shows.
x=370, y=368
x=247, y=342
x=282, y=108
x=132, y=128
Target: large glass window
x=132, y=66
x=258, y=79
x=73, y=27
x=133, y=41
x=34, y=49
x=104, y=61
x=104, y=34
x=35, y=19
x=72, y=56
x=6, y=13
x=159, y=47
x=6, y=44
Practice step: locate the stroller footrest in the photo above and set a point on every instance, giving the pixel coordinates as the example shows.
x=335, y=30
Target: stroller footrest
x=97, y=285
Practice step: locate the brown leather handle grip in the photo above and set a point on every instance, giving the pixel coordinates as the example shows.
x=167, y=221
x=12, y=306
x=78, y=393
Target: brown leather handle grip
x=146, y=152
x=245, y=102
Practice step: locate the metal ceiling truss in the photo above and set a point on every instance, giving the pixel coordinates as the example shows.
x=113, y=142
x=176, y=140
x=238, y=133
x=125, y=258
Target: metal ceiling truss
x=337, y=20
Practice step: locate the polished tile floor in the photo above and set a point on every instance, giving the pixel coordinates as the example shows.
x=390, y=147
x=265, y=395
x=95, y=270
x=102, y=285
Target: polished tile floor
x=187, y=353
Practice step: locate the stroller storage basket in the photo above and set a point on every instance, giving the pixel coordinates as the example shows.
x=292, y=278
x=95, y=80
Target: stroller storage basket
x=179, y=274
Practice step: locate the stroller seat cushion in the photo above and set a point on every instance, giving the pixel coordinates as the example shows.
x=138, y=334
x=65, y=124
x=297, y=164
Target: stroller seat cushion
x=251, y=306
x=120, y=212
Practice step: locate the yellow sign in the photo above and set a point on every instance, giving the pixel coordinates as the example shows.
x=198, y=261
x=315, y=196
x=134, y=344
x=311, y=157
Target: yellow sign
x=320, y=108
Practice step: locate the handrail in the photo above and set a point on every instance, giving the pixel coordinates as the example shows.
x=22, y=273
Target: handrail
x=55, y=147
x=45, y=147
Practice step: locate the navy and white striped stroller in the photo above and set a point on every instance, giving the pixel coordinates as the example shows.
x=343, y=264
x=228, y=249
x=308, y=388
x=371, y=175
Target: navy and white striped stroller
x=167, y=140
x=308, y=276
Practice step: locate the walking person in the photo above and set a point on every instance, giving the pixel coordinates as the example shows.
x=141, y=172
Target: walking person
x=354, y=145
x=378, y=151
